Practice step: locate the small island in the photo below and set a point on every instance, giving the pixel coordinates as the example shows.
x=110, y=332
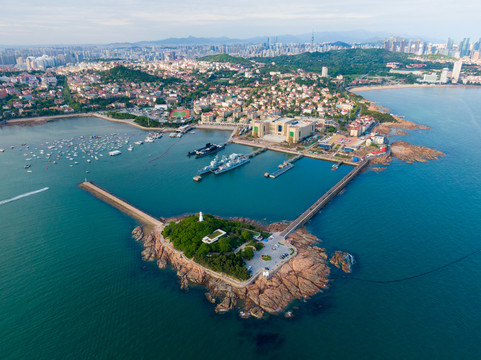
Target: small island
x=225, y=266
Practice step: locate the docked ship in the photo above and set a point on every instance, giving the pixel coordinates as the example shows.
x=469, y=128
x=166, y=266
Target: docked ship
x=206, y=150
x=152, y=137
x=235, y=160
x=214, y=165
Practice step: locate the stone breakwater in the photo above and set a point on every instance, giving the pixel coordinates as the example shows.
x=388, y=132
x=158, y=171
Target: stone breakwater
x=302, y=277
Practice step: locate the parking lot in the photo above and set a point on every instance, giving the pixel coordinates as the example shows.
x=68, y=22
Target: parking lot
x=276, y=247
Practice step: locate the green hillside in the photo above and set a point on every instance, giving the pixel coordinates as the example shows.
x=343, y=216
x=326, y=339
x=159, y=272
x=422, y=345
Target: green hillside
x=345, y=62
x=122, y=73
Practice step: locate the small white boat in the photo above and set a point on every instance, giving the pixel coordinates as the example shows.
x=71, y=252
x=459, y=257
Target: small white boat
x=130, y=148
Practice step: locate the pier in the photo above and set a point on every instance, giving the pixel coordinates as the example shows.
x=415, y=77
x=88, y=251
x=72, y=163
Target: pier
x=280, y=171
x=284, y=167
x=122, y=205
x=256, y=152
x=285, y=150
x=319, y=204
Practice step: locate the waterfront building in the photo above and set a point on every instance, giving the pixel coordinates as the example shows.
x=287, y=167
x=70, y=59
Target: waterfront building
x=456, y=71
x=207, y=117
x=430, y=78
x=278, y=129
x=444, y=76
x=359, y=126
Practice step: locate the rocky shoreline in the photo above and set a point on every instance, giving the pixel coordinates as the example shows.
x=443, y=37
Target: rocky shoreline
x=302, y=277
x=402, y=150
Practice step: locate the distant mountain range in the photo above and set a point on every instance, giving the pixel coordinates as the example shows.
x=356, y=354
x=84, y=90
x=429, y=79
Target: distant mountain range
x=356, y=36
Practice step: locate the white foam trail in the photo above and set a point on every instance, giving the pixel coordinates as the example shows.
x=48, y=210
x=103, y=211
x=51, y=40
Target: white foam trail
x=22, y=196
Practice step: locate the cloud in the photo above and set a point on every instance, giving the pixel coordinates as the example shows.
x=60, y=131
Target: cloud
x=112, y=22
x=104, y=21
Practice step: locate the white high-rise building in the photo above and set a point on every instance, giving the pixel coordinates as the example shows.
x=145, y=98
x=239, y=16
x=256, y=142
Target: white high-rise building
x=456, y=71
x=444, y=76
x=324, y=71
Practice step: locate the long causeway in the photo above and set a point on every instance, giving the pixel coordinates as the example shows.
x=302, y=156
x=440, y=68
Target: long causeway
x=319, y=204
x=120, y=204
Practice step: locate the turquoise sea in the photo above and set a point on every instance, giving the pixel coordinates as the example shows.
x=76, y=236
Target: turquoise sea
x=73, y=285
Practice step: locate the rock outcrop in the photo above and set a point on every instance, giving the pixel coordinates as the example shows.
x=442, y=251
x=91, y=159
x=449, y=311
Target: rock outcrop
x=387, y=127
x=343, y=261
x=303, y=276
x=411, y=153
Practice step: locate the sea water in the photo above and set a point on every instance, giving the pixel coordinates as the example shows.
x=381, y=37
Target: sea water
x=73, y=285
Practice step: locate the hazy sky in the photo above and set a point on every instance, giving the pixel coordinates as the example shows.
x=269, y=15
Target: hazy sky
x=104, y=21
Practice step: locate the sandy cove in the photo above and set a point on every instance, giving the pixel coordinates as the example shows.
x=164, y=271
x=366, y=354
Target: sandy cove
x=302, y=277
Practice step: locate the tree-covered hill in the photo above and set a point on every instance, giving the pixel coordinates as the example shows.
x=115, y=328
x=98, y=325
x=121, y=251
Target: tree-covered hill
x=122, y=73
x=345, y=62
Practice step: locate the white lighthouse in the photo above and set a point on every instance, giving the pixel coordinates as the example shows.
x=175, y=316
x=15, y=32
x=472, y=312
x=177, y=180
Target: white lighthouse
x=201, y=218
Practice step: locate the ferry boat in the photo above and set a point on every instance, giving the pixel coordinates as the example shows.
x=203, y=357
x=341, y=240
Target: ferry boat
x=206, y=150
x=113, y=153
x=235, y=160
x=155, y=135
x=214, y=165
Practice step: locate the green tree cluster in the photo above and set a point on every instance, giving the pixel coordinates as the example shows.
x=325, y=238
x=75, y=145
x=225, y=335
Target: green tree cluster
x=377, y=115
x=345, y=62
x=122, y=73
x=187, y=236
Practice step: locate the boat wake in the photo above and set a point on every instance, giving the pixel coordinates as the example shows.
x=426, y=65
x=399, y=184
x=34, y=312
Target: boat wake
x=3, y=202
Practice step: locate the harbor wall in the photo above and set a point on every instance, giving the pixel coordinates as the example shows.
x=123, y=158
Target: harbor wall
x=294, y=152
x=122, y=205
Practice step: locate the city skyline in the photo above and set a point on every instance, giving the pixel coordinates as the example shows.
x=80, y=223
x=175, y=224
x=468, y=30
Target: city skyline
x=25, y=22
